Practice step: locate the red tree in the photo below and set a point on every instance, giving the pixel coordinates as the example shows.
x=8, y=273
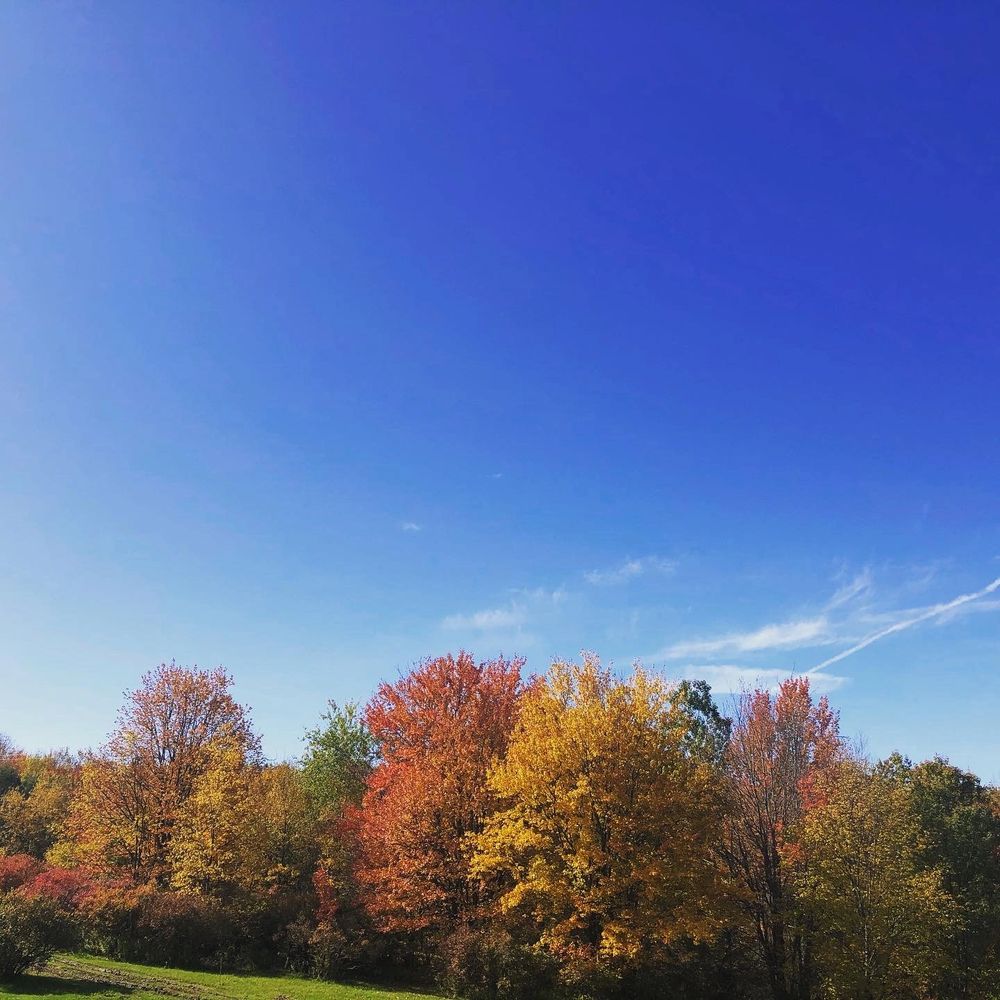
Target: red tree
x=779, y=745
x=439, y=729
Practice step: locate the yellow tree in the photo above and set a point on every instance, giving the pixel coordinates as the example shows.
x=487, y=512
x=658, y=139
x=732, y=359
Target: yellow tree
x=882, y=921
x=33, y=809
x=131, y=793
x=284, y=844
x=604, y=835
x=210, y=848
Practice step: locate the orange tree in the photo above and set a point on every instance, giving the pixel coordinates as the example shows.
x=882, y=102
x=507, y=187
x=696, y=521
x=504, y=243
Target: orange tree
x=438, y=729
x=780, y=747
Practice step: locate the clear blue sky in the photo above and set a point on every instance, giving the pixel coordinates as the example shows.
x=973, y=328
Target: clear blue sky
x=338, y=335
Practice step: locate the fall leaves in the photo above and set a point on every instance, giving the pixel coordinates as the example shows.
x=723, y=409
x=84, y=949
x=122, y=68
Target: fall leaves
x=582, y=833
x=603, y=832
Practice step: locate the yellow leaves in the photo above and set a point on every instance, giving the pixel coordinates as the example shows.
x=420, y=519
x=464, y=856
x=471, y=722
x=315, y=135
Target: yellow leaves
x=605, y=828
x=243, y=828
x=207, y=850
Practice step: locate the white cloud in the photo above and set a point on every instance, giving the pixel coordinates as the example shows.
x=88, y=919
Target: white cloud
x=925, y=614
x=488, y=620
x=411, y=526
x=862, y=585
x=629, y=569
x=783, y=635
x=729, y=678
x=525, y=603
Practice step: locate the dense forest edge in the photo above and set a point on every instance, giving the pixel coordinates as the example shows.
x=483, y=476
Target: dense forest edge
x=493, y=834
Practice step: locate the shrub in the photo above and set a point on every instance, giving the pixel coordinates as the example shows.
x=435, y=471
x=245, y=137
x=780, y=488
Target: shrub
x=330, y=952
x=177, y=929
x=31, y=929
x=17, y=869
x=160, y=928
x=107, y=920
x=489, y=965
x=65, y=887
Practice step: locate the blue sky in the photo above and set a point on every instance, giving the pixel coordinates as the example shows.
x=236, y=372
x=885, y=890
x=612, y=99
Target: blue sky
x=338, y=335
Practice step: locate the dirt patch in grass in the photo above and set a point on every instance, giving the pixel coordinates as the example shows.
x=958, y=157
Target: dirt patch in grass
x=68, y=968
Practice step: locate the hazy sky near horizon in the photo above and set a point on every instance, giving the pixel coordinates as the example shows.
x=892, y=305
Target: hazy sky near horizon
x=333, y=336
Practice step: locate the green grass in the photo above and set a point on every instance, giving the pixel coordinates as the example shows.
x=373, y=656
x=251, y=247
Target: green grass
x=83, y=978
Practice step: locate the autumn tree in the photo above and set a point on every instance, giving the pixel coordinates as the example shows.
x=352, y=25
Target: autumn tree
x=209, y=851
x=132, y=792
x=34, y=803
x=609, y=808
x=439, y=729
x=882, y=919
x=284, y=828
x=960, y=832
x=780, y=745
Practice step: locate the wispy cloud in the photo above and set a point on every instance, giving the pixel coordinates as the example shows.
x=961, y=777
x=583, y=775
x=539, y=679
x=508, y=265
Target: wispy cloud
x=860, y=585
x=490, y=619
x=923, y=615
x=411, y=526
x=782, y=635
x=630, y=569
x=730, y=678
x=526, y=603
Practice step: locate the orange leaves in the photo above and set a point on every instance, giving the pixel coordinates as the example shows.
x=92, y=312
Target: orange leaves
x=132, y=793
x=439, y=729
x=779, y=747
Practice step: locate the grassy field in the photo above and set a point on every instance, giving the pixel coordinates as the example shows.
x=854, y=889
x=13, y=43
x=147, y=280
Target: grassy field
x=84, y=978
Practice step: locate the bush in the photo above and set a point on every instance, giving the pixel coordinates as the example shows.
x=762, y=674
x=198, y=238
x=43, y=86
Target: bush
x=107, y=920
x=16, y=869
x=187, y=931
x=159, y=928
x=489, y=965
x=30, y=931
x=329, y=952
x=65, y=887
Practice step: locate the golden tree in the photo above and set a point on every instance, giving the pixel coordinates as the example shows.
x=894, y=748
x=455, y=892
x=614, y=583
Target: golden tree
x=605, y=831
x=131, y=793
x=209, y=851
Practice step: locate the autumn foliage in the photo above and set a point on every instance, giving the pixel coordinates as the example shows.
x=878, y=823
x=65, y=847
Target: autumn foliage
x=439, y=730
x=587, y=834
x=605, y=827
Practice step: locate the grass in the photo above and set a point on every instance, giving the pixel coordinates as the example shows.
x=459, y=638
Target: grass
x=80, y=977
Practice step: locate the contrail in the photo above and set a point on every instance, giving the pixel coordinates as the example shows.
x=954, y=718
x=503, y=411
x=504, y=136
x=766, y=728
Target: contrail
x=932, y=612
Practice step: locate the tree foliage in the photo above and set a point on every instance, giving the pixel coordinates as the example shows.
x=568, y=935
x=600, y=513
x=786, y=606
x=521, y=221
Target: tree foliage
x=609, y=804
x=781, y=745
x=439, y=729
x=883, y=919
x=580, y=836
x=133, y=792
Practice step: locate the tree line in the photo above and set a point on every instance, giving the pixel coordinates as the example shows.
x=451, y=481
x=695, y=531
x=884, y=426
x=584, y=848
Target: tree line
x=577, y=834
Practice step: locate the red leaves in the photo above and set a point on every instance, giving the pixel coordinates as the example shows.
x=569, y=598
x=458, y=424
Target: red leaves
x=32, y=878
x=17, y=870
x=439, y=729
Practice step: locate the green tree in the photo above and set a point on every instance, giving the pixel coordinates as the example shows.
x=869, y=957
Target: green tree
x=340, y=754
x=882, y=919
x=961, y=834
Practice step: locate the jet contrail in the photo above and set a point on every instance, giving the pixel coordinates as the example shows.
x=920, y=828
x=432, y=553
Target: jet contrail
x=932, y=612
